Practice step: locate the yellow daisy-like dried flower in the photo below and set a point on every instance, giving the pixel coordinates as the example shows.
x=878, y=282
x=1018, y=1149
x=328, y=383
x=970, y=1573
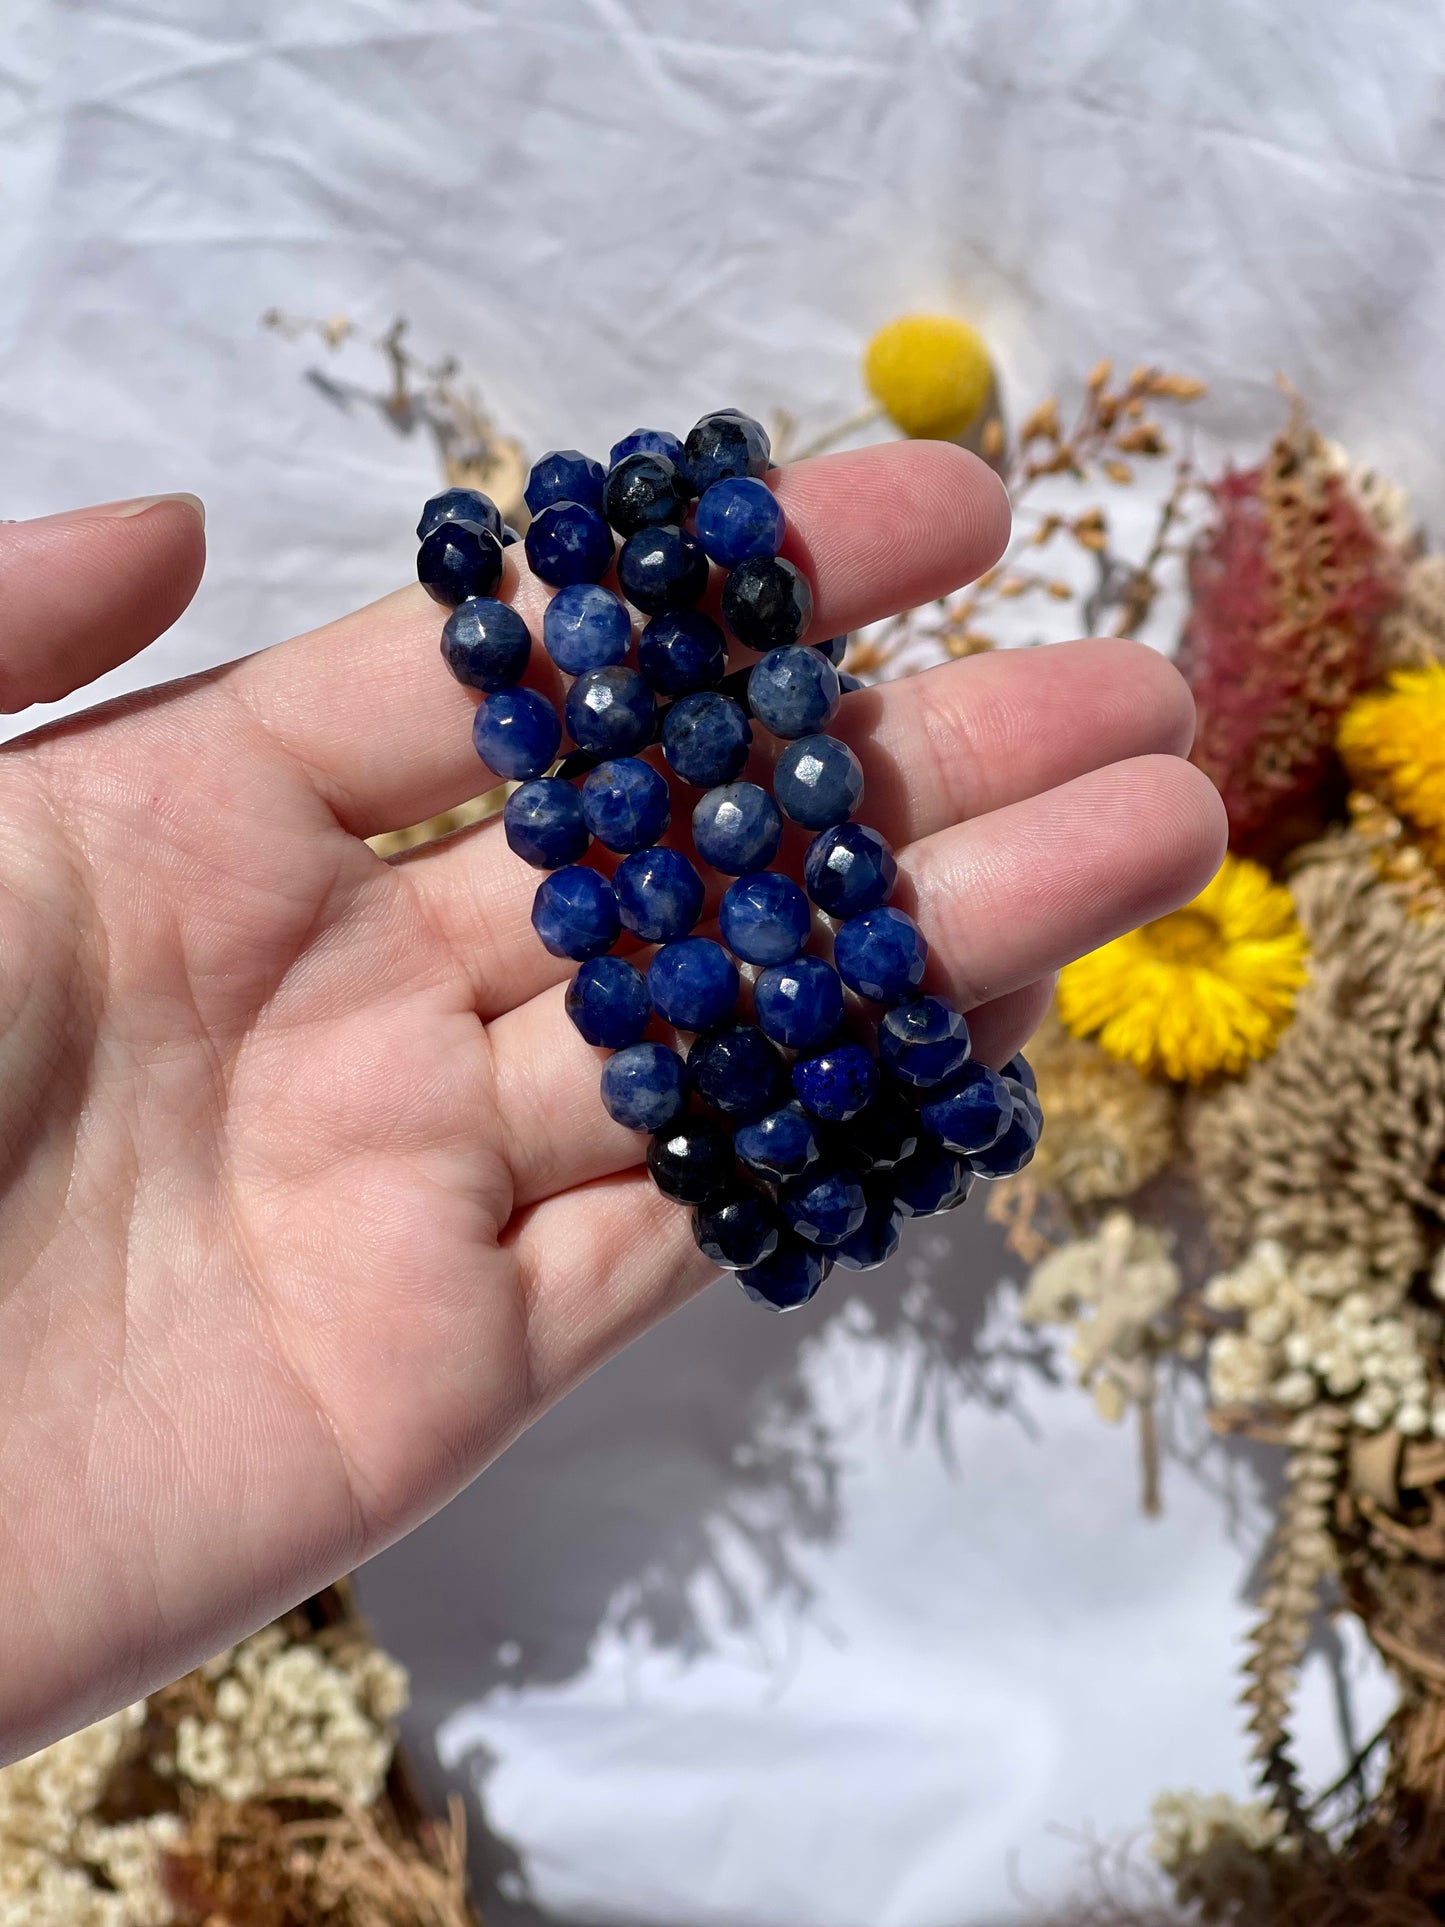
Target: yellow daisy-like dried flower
x=931, y=374
x=1393, y=744
x=1201, y=991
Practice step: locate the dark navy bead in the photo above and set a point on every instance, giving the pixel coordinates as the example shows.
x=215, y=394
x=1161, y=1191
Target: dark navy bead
x=849, y=869
x=779, y=1145
x=659, y=894
x=485, y=644
x=722, y=445
x=965, y=1185
x=662, y=568
x=739, y=1231
x=586, y=627
x=736, y=1070
x=789, y=1278
x=544, y=823
x=643, y=491
x=793, y=691
x=823, y=1207
x=706, y=738
x=681, y=651
x=643, y=1087
x=765, y=918
x=516, y=733
x=564, y=475
x=970, y=1113
x=608, y=1002
x=1019, y=1069
x=626, y=804
x=835, y=648
x=923, y=1041
x=818, y=781
x=738, y=519
x=510, y=535
x=1024, y=1098
x=459, y=560
x=880, y=954
x=838, y=1082
x=925, y=1183
x=1014, y=1148
x=882, y=1134
x=693, y=983
x=646, y=441
x=461, y=505
x=799, y=1004
x=875, y=1240
x=611, y=712
x=692, y=1160
x=767, y=603
x=736, y=828
x=568, y=543
x=575, y=913
x=848, y=685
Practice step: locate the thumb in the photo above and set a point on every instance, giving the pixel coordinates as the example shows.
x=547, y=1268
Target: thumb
x=85, y=590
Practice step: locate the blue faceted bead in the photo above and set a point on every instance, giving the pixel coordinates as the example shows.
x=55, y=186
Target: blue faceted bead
x=626, y=804
x=789, y=1278
x=736, y=828
x=646, y=441
x=659, y=894
x=779, y=1145
x=1014, y=1148
x=706, y=738
x=1020, y=1071
x=793, y=691
x=1025, y=1098
x=643, y=491
x=485, y=644
x=927, y=1182
x=882, y=1134
x=510, y=535
x=848, y=685
x=849, y=869
x=575, y=913
x=693, y=983
x=736, y=1070
x=765, y=918
x=568, y=543
x=875, y=1240
x=461, y=505
x=799, y=1004
x=662, y=568
x=722, y=445
x=516, y=733
x=682, y=651
x=823, y=1207
x=459, y=560
x=970, y=1113
x=643, y=1087
x=880, y=954
x=738, y=1231
x=835, y=648
x=586, y=627
x=767, y=603
x=608, y=1002
x=923, y=1041
x=737, y=519
x=544, y=823
x=837, y=1083
x=818, y=782
x=564, y=475
x=611, y=712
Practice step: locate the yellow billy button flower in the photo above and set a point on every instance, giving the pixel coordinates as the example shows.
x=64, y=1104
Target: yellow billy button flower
x=930, y=373
x=1393, y=744
x=1201, y=991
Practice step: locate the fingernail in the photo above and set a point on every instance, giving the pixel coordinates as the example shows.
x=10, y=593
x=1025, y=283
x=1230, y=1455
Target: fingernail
x=136, y=505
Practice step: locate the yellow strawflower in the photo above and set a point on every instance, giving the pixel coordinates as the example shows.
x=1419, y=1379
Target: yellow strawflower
x=1200, y=991
x=931, y=374
x=1393, y=744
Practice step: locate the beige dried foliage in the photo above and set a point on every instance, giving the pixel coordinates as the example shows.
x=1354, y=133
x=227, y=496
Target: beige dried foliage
x=1109, y=1129
x=1414, y=631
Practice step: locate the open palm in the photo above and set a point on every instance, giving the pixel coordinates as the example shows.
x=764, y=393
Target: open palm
x=309, y=1204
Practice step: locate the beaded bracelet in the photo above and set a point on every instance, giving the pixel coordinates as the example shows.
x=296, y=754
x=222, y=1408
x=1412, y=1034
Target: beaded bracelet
x=850, y=1101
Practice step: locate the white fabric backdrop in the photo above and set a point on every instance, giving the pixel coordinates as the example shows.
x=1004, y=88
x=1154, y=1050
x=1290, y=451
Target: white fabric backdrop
x=726, y=1639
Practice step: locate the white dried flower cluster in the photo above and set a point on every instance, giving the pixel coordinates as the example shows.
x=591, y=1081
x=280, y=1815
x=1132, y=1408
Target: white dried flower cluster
x=287, y=1711
x=1217, y=1850
x=1312, y=1328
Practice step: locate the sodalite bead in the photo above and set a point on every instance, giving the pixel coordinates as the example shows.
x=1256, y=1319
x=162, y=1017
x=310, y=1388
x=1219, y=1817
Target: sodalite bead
x=458, y=560
x=789, y=1278
x=765, y=918
x=835, y=648
x=736, y=1070
x=882, y=1134
x=659, y=894
x=692, y=1160
x=647, y=441
x=799, y=1004
x=738, y=519
x=923, y=1041
x=793, y=691
x=643, y=1087
x=838, y=1082
x=970, y=1113
x=823, y=1207
x=608, y=1002
x=767, y=603
x=461, y=505
x=611, y=712
x=510, y=535
x=779, y=1145
x=544, y=823
x=569, y=542
x=516, y=733
x=881, y=954
x=682, y=651
x=585, y=627
x=722, y=445
x=818, y=782
x=736, y=828
x=737, y=1231
x=1019, y=1070
x=564, y=475
x=642, y=492
x=626, y=804
x=849, y=869
x=485, y=644
x=693, y=983
x=1014, y=1148
x=875, y=1240
x=575, y=913
x=848, y=685
x=662, y=568
x=926, y=1183
x=706, y=738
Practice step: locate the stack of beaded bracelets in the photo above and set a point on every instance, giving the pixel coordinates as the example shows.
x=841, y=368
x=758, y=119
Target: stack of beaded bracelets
x=805, y=1136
